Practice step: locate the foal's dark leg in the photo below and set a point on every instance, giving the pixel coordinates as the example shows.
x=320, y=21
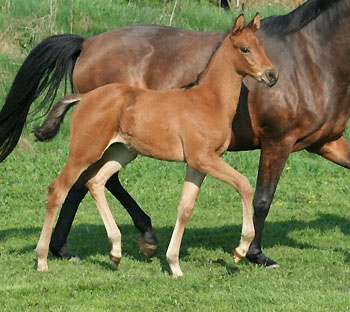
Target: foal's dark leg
x=272, y=161
x=64, y=223
x=147, y=242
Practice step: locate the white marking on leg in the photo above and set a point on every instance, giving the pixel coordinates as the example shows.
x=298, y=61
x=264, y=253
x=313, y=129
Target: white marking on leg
x=190, y=191
x=214, y=166
x=58, y=191
x=116, y=157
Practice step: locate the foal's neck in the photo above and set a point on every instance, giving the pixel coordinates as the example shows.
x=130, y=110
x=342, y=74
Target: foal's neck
x=220, y=80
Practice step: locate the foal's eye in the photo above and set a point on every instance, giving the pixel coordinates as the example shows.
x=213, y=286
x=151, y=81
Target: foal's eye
x=245, y=50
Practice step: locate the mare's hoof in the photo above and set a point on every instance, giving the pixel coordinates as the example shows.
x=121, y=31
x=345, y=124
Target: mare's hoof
x=237, y=257
x=115, y=260
x=64, y=253
x=262, y=260
x=149, y=250
x=74, y=259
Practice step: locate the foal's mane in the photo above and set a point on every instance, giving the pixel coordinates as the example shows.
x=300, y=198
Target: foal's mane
x=199, y=76
x=297, y=19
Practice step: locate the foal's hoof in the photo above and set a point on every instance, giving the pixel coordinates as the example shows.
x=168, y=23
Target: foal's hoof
x=177, y=274
x=42, y=267
x=115, y=260
x=149, y=250
x=237, y=257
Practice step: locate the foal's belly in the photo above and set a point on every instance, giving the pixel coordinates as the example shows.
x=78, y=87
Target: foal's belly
x=153, y=135
x=159, y=146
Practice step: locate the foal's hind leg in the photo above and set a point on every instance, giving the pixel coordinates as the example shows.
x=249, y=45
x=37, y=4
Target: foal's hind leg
x=190, y=191
x=116, y=157
x=58, y=191
x=213, y=165
x=148, y=241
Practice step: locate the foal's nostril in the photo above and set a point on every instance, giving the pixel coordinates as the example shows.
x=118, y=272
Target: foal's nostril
x=272, y=78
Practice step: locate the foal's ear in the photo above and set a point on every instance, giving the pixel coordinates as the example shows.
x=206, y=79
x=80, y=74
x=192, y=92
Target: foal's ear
x=255, y=22
x=238, y=25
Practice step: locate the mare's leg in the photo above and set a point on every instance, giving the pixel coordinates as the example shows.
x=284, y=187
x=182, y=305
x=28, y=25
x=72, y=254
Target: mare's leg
x=148, y=241
x=64, y=223
x=214, y=166
x=193, y=181
x=337, y=151
x=58, y=191
x=116, y=157
x=272, y=161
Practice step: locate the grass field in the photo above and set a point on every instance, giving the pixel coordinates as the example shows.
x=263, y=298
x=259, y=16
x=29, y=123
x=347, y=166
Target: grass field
x=307, y=230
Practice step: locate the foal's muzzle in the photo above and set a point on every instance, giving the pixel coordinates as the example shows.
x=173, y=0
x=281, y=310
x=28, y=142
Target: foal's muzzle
x=269, y=77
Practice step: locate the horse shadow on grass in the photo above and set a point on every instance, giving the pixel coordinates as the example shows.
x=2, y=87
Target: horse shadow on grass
x=88, y=240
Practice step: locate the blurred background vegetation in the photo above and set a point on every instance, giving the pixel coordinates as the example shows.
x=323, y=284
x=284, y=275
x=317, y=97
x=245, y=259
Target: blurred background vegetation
x=25, y=22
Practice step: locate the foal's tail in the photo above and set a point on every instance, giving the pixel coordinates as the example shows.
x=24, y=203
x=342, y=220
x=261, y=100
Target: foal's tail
x=45, y=67
x=48, y=130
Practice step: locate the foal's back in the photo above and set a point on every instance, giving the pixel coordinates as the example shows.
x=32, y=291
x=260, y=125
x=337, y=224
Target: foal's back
x=171, y=125
x=154, y=123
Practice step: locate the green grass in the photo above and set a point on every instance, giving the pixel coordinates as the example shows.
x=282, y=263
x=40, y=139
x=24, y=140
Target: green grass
x=307, y=230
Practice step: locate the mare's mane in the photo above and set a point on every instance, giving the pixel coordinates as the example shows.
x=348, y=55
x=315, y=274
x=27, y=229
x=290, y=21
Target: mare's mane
x=325, y=11
x=297, y=19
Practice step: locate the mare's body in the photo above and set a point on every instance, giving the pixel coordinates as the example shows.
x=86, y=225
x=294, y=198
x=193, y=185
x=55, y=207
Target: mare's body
x=308, y=108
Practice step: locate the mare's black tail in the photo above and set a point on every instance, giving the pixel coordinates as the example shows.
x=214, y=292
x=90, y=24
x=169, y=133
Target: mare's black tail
x=47, y=64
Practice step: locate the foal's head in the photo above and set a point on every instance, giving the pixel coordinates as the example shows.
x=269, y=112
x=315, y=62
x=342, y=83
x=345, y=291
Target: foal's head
x=249, y=53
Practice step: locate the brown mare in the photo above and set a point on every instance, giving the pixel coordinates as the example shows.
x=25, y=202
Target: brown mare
x=114, y=123
x=307, y=109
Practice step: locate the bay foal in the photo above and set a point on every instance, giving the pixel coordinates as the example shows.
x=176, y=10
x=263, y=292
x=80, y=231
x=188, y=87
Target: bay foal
x=114, y=123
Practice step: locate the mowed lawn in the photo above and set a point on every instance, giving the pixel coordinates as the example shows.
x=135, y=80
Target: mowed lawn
x=307, y=230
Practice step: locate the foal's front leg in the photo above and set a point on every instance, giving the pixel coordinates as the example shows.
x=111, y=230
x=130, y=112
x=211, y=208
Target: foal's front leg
x=193, y=181
x=213, y=165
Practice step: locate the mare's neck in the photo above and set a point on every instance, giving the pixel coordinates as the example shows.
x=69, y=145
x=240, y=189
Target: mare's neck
x=220, y=82
x=328, y=42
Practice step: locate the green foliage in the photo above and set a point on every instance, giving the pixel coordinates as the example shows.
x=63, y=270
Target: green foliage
x=307, y=230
